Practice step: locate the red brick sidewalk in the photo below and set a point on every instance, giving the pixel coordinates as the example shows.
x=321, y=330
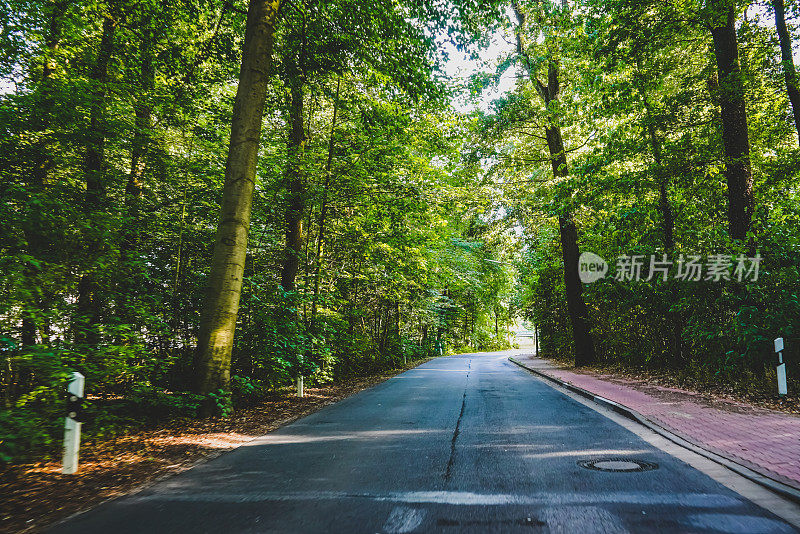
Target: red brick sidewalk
x=764, y=440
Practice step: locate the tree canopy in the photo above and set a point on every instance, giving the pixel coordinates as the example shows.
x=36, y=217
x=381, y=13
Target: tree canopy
x=204, y=201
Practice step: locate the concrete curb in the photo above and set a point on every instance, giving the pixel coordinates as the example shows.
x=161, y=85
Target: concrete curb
x=759, y=478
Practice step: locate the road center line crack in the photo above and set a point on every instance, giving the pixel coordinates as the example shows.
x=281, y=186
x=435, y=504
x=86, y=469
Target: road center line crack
x=457, y=430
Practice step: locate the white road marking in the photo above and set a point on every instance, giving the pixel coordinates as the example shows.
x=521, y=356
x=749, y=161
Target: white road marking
x=403, y=519
x=699, y=500
x=465, y=498
x=568, y=520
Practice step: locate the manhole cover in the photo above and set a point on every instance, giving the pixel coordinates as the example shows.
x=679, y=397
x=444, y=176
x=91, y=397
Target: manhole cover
x=618, y=465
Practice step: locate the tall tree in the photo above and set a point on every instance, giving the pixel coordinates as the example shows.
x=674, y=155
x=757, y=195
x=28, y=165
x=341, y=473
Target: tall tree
x=549, y=93
x=42, y=158
x=218, y=320
x=327, y=39
x=90, y=305
x=735, y=137
x=95, y=165
x=55, y=12
x=143, y=112
x=662, y=179
x=787, y=60
x=324, y=204
x=296, y=72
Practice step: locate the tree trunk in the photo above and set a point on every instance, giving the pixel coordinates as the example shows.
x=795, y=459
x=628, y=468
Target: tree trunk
x=131, y=230
x=734, y=122
x=89, y=306
x=667, y=215
x=296, y=189
x=578, y=313
x=41, y=164
x=218, y=320
x=789, y=72
x=297, y=192
x=87, y=311
x=141, y=133
x=668, y=225
x=570, y=252
x=42, y=159
x=397, y=317
x=472, y=324
x=306, y=266
x=664, y=206
x=324, y=208
x=95, y=139
x=28, y=334
x=667, y=218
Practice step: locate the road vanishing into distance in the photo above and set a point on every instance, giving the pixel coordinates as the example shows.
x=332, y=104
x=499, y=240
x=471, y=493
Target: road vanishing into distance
x=468, y=443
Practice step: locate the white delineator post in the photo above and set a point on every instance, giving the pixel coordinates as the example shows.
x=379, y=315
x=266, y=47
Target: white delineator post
x=781, y=366
x=72, y=428
x=300, y=392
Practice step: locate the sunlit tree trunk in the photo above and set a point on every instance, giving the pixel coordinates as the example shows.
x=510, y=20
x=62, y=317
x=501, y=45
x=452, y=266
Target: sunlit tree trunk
x=218, y=320
x=789, y=72
x=735, y=137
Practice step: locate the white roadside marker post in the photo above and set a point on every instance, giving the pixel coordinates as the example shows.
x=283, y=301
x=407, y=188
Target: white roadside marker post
x=72, y=427
x=300, y=386
x=781, y=366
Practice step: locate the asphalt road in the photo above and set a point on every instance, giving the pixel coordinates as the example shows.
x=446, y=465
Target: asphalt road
x=469, y=443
